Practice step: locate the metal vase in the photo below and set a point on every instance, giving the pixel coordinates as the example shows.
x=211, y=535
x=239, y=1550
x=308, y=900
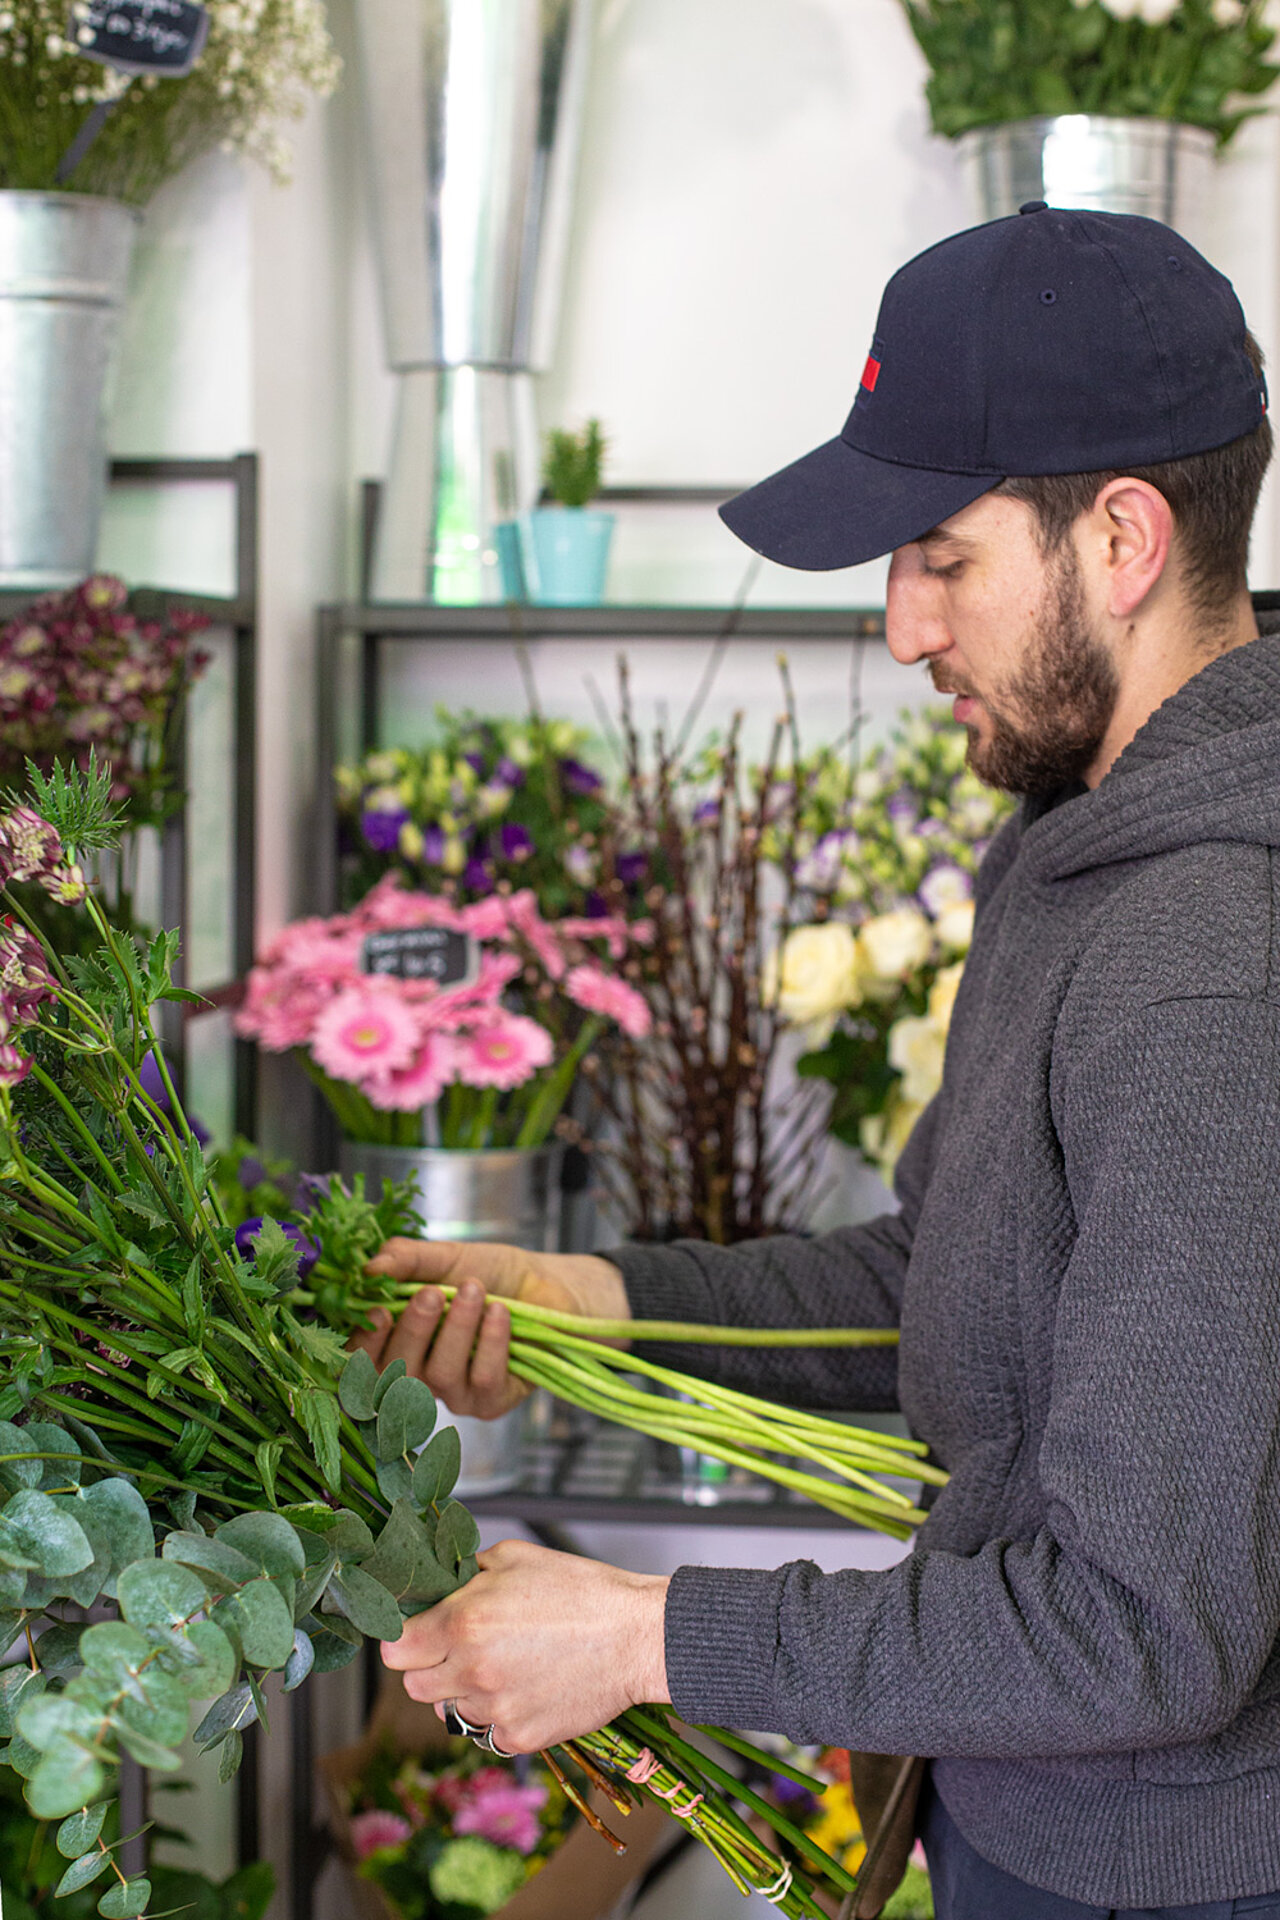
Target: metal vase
x=511, y=1195
x=64, y=268
x=473, y=111
x=1109, y=165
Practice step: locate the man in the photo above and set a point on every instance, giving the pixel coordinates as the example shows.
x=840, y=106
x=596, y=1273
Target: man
x=1060, y=434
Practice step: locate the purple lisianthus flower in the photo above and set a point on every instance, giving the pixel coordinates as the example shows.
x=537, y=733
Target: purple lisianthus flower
x=514, y=841
x=309, y=1250
x=597, y=906
x=901, y=808
x=477, y=875
x=945, y=886
x=251, y=1172
x=820, y=868
x=631, y=868
x=792, y=1796
x=433, y=845
x=476, y=763
x=579, y=779
x=381, y=829
x=508, y=774
x=706, y=813
x=152, y=1083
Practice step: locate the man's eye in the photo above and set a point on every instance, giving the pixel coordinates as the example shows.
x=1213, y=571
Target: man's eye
x=952, y=572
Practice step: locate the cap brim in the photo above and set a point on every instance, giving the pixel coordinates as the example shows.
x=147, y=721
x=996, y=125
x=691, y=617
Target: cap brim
x=836, y=507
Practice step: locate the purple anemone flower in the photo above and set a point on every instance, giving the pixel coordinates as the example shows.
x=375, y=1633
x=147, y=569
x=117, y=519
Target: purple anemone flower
x=476, y=762
x=152, y=1083
x=597, y=907
x=309, y=1250
x=631, y=868
x=706, y=813
x=433, y=845
x=508, y=774
x=477, y=875
x=579, y=779
x=514, y=841
x=251, y=1172
x=381, y=829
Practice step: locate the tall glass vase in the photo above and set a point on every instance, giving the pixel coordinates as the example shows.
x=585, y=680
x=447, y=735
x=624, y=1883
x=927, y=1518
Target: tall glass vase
x=507, y=1194
x=473, y=113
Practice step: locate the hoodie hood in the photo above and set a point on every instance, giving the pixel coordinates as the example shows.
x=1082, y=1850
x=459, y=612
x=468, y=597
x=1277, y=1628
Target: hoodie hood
x=1205, y=766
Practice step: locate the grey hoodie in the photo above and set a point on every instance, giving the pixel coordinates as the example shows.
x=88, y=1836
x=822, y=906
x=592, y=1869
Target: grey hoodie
x=1086, y=1270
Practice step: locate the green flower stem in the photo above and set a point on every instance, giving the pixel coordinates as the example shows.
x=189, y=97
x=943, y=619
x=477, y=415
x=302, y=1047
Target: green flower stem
x=51, y=1087
x=547, y=1104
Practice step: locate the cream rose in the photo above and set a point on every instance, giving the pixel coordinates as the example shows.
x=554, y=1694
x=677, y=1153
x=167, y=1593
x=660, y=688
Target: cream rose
x=954, y=926
x=814, y=977
x=893, y=945
x=916, y=1049
x=942, y=995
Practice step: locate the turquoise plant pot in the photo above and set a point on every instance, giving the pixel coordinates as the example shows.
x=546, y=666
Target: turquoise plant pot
x=570, y=552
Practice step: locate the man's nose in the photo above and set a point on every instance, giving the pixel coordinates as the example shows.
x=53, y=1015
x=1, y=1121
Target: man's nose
x=914, y=625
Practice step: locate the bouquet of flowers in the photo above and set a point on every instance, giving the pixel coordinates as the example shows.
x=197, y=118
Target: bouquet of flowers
x=81, y=676
x=198, y=1487
x=457, y=1837
x=1186, y=60
x=488, y=802
x=884, y=861
x=262, y=60
x=496, y=1054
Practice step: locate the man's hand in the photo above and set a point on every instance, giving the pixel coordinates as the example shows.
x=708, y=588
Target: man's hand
x=542, y=1646
x=462, y=1353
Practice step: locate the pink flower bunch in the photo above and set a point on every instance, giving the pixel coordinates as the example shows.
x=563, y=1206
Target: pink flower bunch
x=402, y=1041
x=25, y=985
x=77, y=672
x=502, y=1812
x=377, y=1828
x=30, y=849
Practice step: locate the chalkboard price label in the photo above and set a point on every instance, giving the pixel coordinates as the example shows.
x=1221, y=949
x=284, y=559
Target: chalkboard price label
x=423, y=953
x=140, y=36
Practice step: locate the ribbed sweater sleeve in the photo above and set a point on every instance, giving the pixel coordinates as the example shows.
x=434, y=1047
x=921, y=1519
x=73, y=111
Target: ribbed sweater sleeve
x=852, y=1277
x=1143, y=1610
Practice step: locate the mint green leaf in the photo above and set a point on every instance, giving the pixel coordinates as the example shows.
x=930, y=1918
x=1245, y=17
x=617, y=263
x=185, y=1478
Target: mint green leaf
x=366, y=1603
x=125, y=1901
x=159, y=1593
x=406, y=1563
x=357, y=1387
x=55, y=1717
x=58, y=1543
x=142, y=1748
x=223, y=1566
x=79, y=1832
x=457, y=1535
x=262, y=1621
x=395, y=1478
x=16, y=1684
x=300, y=1661
x=267, y=1540
x=317, y=1409
x=234, y=1710
x=67, y=1778
x=333, y=1652
x=437, y=1467
x=83, y=1871
x=406, y=1416
x=393, y=1371
x=230, y=1757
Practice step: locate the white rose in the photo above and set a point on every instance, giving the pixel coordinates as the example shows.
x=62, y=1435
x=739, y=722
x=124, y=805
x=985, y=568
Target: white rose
x=1121, y=9
x=814, y=978
x=893, y=945
x=954, y=926
x=942, y=995
x=1156, y=12
x=916, y=1049
x=1227, y=13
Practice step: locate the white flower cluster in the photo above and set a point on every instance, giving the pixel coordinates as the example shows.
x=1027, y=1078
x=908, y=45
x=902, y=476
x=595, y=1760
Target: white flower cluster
x=1155, y=13
x=262, y=60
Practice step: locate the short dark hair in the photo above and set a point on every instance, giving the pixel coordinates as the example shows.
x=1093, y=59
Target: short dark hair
x=1212, y=496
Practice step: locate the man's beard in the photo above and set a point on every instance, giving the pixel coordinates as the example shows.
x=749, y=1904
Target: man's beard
x=1051, y=718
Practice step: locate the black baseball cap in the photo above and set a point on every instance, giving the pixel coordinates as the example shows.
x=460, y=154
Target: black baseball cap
x=1055, y=341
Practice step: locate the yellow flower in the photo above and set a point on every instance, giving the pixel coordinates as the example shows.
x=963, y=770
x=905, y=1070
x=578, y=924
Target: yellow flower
x=893, y=945
x=954, y=926
x=942, y=995
x=814, y=978
x=411, y=842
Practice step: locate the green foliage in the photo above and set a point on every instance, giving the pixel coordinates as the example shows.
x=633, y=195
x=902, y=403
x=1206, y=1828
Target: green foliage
x=998, y=60
x=78, y=804
x=573, y=463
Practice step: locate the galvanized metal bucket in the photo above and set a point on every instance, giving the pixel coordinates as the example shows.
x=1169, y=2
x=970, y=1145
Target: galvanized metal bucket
x=64, y=268
x=1158, y=168
x=510, y=1195
x=473, y=116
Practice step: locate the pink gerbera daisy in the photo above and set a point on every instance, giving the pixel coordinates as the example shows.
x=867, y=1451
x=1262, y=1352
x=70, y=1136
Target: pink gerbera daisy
x=364, y=1030
x=601, y=992
x=503, y=1052
x=431, y=1070
x=377, y=1828
x=506, y=1814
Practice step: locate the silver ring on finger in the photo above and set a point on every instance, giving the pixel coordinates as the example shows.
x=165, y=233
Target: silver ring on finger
x=503, y=1753
x=454, y=1723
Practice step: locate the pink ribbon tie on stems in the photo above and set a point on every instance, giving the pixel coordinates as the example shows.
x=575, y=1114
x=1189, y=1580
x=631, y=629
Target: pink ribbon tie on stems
x=642, y=1770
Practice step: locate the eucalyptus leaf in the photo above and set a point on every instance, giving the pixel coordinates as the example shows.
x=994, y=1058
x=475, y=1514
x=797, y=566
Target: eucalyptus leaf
x=159, y=1593
x=67, y=1778
x=262, y=1621
x=406, y=1562
x=58, y=1650
x=57, y=1542
x=53, y=1717
x=331, y=1652
x=230, y=1757
x=125, y=1900
x=223, y=1566
x=366, y=1603
x=436, y=1469
x=141, y=1747
x=457, y=1535
x=266, y=1540
x=406, y=1416
x=300, y=1661
x=17, y=1684
x=234, y=1710
x=80, y=1831
x=83, y=1871
x=357, y=1387
x=395, y=1479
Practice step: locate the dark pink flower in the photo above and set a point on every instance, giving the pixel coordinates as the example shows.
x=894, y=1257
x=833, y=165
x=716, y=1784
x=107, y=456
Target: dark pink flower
x=378, y=1828
x=505, y=1814
x=14, y=1066
x=601, y=992
x=29, y=846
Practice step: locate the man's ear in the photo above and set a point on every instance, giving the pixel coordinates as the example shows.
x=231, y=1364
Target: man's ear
x=1128, y=534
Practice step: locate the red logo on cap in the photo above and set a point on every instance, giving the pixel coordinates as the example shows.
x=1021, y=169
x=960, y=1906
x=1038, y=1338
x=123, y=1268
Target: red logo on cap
x=871, y=373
